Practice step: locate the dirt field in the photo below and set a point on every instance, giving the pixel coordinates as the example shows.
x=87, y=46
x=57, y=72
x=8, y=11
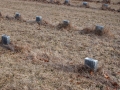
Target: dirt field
x=48, y=58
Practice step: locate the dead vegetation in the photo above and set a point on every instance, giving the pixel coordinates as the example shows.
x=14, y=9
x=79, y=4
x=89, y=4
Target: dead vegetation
x=118, y=3
x=51, y=59
x=55, y=2
x=104, y=7
x=64, y=26
x=66, y=2
x=85, y=5
x=15, y=18
x=107, y=1
x=92, y=30
x=13, y=47
x=118, y=10
x=68, y=27
x=0, y=14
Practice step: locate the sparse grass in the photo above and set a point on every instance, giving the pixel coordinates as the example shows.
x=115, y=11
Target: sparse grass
x=51, y=59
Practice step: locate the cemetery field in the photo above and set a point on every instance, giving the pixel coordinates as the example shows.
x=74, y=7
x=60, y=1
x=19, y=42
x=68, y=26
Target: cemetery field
x=46, y=57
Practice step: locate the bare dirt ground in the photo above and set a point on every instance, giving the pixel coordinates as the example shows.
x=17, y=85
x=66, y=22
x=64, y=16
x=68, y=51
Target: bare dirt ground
x=52, y=59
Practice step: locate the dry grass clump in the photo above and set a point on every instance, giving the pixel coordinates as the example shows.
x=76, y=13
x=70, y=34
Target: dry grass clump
x=105, y=31
x=15, y=47
x=63, y=26
x=66, y=3
x=92, y=30
x=40, y=23
x=87, y=30
x=104, y=7
x=38, y=58
x=86, y=6
x=118, y=10
x=57, y=2
x=118, y=3
x=0, y=14
x=15, y=18
x=87, y=0
x=45, y=23
x=38, y=0
x=106, y=1
x=111, y=9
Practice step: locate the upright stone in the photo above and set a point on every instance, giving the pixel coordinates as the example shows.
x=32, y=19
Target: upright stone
x=91, y=63
x=85, y=3
x=17, y=15
x=5, y=39
x=38, y=19
x=67, y=2
x=104, y=6
x=66, y=22
x=99, y=28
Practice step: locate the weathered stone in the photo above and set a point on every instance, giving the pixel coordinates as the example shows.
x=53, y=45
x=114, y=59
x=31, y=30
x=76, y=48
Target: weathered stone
x=38, y=18
x=5, y=39
x=99, y=28
x=17, y=15
x=66, y=22
x=91, y=63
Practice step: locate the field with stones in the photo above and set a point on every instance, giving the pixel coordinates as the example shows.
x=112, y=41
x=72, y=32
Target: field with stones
x=49, y=55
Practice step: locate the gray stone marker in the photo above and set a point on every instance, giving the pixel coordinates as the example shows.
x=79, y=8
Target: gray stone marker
x=67, y=2
x=66, y=22
x=38, y=18
x=85, y=3
x=91, y=63
x=5, y=39
x=99, y=28
x=105, y=5
x=17, y=15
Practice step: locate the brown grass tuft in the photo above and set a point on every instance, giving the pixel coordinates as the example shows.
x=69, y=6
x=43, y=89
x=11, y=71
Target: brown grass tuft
x=66, y=3
x=92, y=30
x=58, y=2
x=118, y=3
x=37, y=57
x=99, y=32
x=16, y=47
x=105, y=32
x=104, y=7
x=87, y=30
x=69, y=27
x=118, y=10
x=13, y=18
x=106, y=1
x=86, y=6
x=0, y=14
x=45, y=23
